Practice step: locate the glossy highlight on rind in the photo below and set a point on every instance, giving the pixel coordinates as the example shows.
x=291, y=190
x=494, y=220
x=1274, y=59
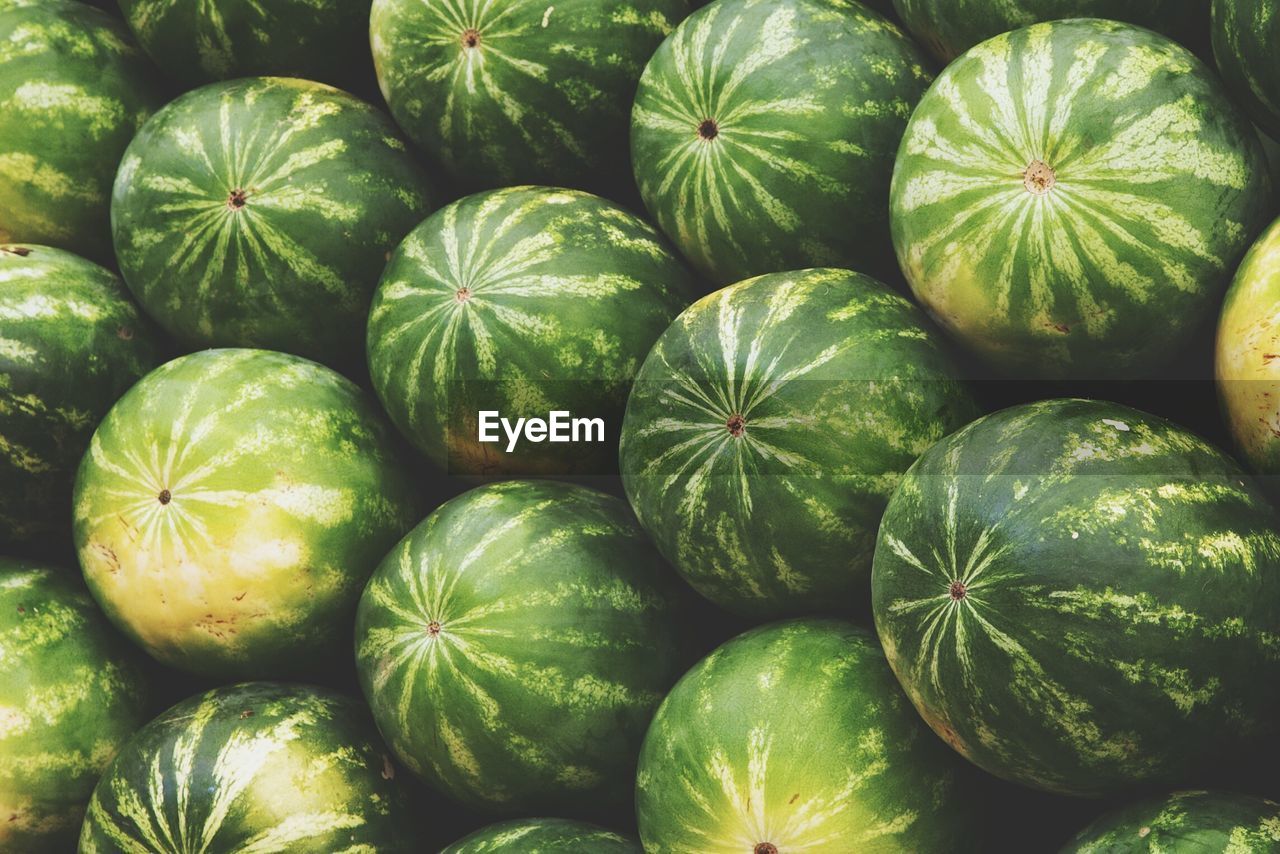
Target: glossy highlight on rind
x=262, y=767
x=1064, y=189
x=1207, y=822
x=514, y=646
x=543, y=836
x=260, y=212
x=795, y=737
x=232, y=505
x=1082, y=598
x=768, y=427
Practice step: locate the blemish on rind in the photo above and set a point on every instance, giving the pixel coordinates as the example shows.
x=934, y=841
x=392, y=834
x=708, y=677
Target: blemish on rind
x=546, y=16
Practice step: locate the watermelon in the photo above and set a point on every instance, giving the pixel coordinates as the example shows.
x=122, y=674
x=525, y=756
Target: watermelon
x=71, y=692
x=522, y=91
x=794, y=737
x=1052, y=241
x=197, y=43
x=519, y=301
x=260, y=212
x=950, y=27
x=71, y=342
x=764, y=132
x=1248, y=343
x=767, y=428
x=543, y=836
x=1245, y=34
x=1191, y=821
x=258, y=767
x=515, y=644
x=231, y=507
x=74, y=89
x=1082, y=598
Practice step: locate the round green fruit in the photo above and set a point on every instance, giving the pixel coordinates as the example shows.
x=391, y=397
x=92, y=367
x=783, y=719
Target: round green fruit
x=794, y=737
x=260, y=212
x=74, y=89
x=520, y=302
x=514, y=646
x=543, y=836
x=521, y=91
x=1082, y=598
x=231, y=507
x=72, y=691
x=1199, y=822
x=768, y=427
x=1245, y=35
x=258, y=767
x=764, y=132
x=71, y=342
x=1065, y=189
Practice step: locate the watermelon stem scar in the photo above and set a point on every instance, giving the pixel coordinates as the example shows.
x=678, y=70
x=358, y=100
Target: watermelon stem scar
x=237, y=199
x=766, y=848
x=470, y=37
x=165, y=496
x=708, y=130
x=737, y=425
x=433, y=628
x=1039, y=178
x=958, y=590
x=462, y=294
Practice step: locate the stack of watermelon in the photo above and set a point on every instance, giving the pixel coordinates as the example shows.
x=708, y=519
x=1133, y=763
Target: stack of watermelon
x=745, y=426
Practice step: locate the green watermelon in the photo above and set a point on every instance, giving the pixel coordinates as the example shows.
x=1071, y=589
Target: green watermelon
x=260, y=212
x=515, y=644
x=71, y=693
x=218, y=39
x=1196, y=821
x=73, y=91
x=1245, y=34
x=764, y=132
x=768, y=427
x=1082, y=598
x=794, y=737
x=71, y=342
x=520, y=301
x=522, y=91
x=543, y=836
x=1065, y=189
x=1246, y=364
x=231, y=507
x=950, y=27
x=258, y=767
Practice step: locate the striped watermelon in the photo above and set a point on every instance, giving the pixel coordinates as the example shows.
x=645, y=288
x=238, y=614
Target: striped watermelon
x=515, y=644
x=232, y=505
x=766, y=431
x=1248, y=347
x=794, y=737
x=543, y=836
x=71, y=342
x=521, y=301
x=522, y=91
x=764, y=132
x=1065, y=189
x=1196, y=821
x=218, y=39
x=259, y=767
x=73, y=91
x=71, y=693
x=950, y=27
x=1082, y=598
x=260, y=213
x=1245, y=34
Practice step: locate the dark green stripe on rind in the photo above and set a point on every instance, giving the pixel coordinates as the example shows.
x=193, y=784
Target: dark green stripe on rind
x=1082, y=598
x=260, y=213
x=231, y=507
x=768, y=427
x=73, y=91
x=71, y=342
x=515, y=644
x=1065, y=189
x=520, y=301
x=1194, y=821
x=71, y=692
x=259, y=767
x=794, y=735
x=522, y=91
x=543, y=836
x=764, y=132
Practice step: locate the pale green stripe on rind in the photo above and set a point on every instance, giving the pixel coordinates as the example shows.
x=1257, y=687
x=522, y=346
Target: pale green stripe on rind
x=543, y=836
